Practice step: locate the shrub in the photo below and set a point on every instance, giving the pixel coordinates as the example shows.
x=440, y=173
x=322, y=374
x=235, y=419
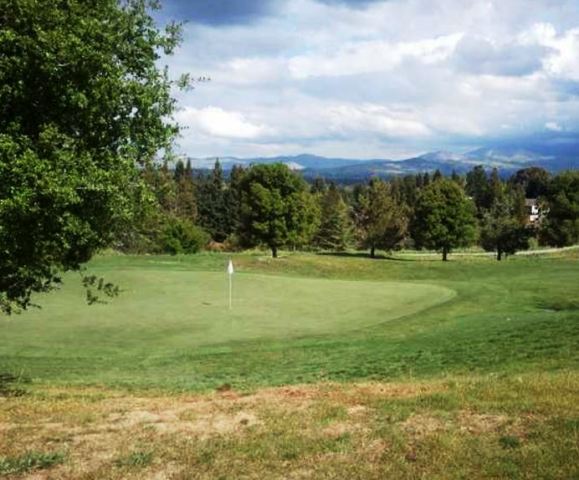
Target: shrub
x=182, y=236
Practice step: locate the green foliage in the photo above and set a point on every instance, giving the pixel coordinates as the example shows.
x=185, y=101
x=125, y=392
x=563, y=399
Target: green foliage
x=82, y=103
x=477, y=188
x=502, y=230
x=213, y=207
x=95, y=285
x=28, y=462
x=335, y=227
x=533, y=180
x=444, y=218
x=276, y=208
x=137, y=459
x=381, y=221
x=182, y=236
x=561, y=227
x=186, y=196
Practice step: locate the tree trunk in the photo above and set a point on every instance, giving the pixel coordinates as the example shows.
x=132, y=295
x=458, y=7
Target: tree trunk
x=499, y=254
x=274, y=251
x=372, y=252
x=445, y=254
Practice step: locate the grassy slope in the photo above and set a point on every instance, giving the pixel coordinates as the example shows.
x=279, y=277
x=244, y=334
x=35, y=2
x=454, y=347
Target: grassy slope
x=498, y=397
x=513, y=316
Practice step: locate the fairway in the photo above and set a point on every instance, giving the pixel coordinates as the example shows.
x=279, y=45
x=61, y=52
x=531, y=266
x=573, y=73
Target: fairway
x=164, y=309
x=301, y=318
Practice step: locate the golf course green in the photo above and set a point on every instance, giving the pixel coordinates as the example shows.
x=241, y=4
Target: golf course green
x=164, y=309
x=299, y=318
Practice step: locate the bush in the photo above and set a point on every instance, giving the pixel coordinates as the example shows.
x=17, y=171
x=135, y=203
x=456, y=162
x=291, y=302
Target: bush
x=182, y=236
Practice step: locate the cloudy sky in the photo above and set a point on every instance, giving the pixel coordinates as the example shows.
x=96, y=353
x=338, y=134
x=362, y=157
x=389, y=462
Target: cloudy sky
x=375, y=79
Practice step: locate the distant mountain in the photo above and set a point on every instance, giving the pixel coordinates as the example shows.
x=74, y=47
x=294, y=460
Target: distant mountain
x=507, y=159
x=295, y=162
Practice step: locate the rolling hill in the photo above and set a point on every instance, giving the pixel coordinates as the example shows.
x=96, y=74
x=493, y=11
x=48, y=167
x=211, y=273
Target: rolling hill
x=507, y=159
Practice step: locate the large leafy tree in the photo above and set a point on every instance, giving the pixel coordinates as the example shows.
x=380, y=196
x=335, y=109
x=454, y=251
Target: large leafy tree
x=276, y=208
x=381, y=221
x=443, y=218
x=561, y=227
x=82, y=105
x=503, y=230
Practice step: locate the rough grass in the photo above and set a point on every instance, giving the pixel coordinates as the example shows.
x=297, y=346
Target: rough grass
x=463, y=427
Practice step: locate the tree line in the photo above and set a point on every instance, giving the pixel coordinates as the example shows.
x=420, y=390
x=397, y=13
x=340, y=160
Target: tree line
x=271, y=206
x=85, y=111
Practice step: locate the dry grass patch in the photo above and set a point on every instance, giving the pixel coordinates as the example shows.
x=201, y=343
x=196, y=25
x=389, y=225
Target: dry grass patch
x=368, y=430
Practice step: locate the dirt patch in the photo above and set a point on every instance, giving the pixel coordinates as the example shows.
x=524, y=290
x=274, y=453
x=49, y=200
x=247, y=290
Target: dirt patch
x=422, y=425
x=480, y=423
x=340, y=429
x=356, y=410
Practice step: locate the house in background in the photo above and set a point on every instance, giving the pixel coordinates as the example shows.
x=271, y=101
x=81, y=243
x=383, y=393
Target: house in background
x=533, y=210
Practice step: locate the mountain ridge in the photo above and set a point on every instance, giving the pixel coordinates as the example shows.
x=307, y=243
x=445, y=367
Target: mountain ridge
x=507, y=160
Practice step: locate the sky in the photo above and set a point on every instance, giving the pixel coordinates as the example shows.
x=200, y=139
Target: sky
x=374, y=78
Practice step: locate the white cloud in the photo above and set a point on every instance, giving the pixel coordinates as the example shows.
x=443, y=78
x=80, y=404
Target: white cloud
x=372, y=56
x=217, y=122
x=395, y=76
x=563, y=62
x=374, y=119
x=554, y=127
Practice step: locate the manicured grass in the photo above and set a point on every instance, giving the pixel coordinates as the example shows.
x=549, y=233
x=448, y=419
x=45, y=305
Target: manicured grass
x=301, y=318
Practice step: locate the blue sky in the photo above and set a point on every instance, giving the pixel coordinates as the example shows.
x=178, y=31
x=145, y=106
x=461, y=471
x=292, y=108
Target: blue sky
x=375, y=79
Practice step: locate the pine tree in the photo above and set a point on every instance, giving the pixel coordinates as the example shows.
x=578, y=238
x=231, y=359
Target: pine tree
x=381, y=222
x=212, y=205
x=335, y=228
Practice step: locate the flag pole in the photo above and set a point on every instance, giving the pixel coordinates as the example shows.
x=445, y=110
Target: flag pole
x=230, y=275
x=230, y=289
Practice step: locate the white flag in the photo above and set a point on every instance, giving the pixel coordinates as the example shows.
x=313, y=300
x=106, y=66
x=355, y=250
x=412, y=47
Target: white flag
x=230, y=268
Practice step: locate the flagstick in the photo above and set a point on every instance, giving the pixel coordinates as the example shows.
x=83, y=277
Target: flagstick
x=230, y=289
x=230, y=274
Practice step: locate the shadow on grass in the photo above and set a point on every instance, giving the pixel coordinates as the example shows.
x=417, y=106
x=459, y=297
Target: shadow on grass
x=366, y=255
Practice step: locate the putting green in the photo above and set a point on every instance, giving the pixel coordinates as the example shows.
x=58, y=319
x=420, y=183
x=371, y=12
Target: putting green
x=165, y=310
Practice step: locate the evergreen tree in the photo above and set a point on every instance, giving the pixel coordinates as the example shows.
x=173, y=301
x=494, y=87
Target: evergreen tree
x=381, y=221
x=233, y=199
x=212, y=204
x=477, y=187
x=318, y=186
x=444, y=218
x=534, y=180
x=495, y=189
x=186, y=203
x=179, y=170
x=335, y=229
